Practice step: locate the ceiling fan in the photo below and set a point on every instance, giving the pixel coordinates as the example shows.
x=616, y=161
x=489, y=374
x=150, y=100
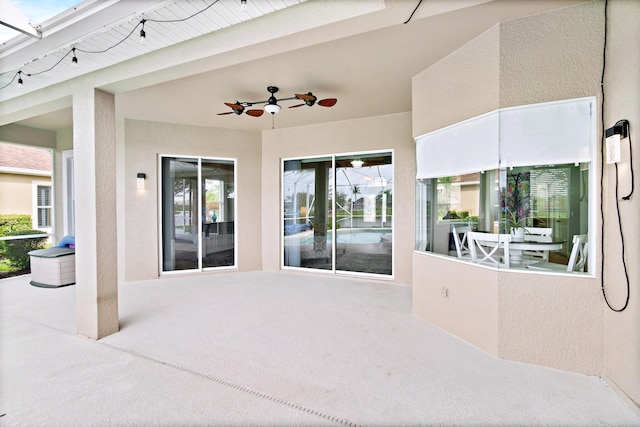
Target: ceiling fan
x=271, y=104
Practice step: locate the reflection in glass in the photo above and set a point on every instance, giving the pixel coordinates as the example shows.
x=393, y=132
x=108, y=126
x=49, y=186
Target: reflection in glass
x=364, y=213
x=352, y=204
x=307, y=213
x=197, y=220
x=179, y=214
x=217, y=213
x=545, y=203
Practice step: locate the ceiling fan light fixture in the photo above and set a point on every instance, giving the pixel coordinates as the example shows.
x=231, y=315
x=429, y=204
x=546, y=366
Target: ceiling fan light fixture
x=272, y=106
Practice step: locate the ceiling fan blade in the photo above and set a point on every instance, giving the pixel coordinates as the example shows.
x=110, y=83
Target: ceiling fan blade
x=234, y=106
x=306, y=96
x=224, y=114
x=255, y=113
x=329, y=102
x=296, y=106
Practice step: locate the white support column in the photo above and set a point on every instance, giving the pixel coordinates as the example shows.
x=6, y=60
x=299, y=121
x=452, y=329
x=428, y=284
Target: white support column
x=94, y=136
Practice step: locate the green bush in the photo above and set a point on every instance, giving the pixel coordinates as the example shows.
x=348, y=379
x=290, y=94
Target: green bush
x=14, y=222
x=17, y=251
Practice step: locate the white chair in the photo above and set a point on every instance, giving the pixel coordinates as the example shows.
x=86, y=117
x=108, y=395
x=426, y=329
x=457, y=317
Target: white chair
x=462, y=245
x=489, y=248
x=577, y=259
x=537, y=234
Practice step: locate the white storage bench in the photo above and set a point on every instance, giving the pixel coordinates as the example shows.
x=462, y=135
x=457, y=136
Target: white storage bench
x=53, y=267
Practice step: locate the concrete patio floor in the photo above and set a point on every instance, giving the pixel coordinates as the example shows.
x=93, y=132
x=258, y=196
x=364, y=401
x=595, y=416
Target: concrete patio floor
x=275, y=349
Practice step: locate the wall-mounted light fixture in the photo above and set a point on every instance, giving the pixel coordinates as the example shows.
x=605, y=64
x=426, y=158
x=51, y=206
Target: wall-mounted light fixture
x=613, y=136
x=141, y=177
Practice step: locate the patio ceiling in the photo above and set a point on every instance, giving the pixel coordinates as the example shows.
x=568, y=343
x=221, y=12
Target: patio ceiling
x=357, y=51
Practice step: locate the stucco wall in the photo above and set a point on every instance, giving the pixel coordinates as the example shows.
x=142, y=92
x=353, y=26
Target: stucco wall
x=373, y=133
x=469, y=309
x=551, y=56
x=552, y=321
x=546, y=57
x=144, y=142
x=622, y=86
x=475, y=78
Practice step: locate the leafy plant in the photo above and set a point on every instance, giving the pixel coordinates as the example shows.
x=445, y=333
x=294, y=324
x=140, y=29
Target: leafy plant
x=14, y=222
x=17, y=251
x=10, y=223
x=515, y=201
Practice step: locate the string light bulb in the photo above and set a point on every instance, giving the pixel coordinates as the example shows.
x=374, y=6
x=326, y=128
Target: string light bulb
x=20, y=82
x=143, y=35
x=74, y=60
x=243, y=5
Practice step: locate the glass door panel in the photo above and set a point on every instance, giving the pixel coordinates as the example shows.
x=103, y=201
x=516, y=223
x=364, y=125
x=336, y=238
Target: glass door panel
x=307, y=215
x=364, y=213
x=218, y=213
x=179, y=214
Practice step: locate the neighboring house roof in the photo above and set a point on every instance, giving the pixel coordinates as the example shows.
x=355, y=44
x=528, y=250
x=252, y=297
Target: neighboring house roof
x=19, y=157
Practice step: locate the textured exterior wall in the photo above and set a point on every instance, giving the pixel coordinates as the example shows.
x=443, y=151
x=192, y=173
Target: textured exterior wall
x=373, y=133
x=622, y=86
x=470, y=309
x=24, y=135
x=545, y=57
x=551, y=56
x=95, y=174
x=551, y=322
x=144, y=142
x=465, y=84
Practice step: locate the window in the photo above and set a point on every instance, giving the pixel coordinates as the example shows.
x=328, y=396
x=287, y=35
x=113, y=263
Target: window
x=536, y=189
x=198, y=213
x=42, y=206
x=337, y=213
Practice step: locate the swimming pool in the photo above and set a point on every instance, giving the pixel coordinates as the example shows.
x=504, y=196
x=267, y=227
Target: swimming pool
x=364, y=236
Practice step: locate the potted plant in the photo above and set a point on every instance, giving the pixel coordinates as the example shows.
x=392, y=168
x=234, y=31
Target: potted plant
x=515, y=205
x=516, y=222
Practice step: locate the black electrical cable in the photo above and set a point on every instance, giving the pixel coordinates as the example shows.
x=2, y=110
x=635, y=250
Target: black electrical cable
x=188, y=17
x=11, y=81
x=117, y=44
x=602, y=223
x=50, y=68
x=414, y=11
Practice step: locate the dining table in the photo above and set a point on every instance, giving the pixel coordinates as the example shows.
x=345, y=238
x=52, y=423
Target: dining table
x=517, y=247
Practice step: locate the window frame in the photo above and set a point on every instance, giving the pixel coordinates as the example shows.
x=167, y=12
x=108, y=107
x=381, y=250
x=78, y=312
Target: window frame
x=332, y=157
x=35, y=218
x=502, y=164
x=200, y=228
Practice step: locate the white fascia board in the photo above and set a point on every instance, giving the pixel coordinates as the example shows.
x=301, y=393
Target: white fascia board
x=24, y=171
x=10, y=16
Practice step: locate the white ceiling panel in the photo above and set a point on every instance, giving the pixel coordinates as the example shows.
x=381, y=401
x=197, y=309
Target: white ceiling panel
x=114, y=37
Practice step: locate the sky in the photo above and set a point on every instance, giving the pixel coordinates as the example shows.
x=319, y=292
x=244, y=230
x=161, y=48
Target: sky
x=37, y=11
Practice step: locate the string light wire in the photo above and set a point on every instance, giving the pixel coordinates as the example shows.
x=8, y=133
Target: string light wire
x=75, y=48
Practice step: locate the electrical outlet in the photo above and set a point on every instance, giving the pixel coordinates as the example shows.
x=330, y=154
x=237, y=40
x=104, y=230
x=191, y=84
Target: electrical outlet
x=444, y=292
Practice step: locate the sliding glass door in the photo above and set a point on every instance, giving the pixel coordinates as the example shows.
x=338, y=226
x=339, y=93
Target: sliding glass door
x=364, y=213
x=198, y=213
x=337, y=213
x=307, y=218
